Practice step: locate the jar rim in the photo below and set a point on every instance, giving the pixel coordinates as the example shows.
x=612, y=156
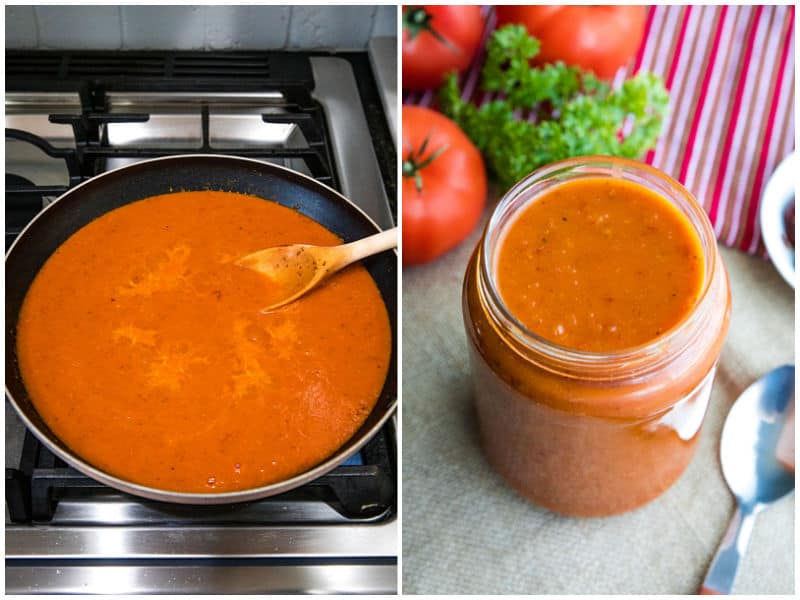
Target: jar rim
x=647, y=355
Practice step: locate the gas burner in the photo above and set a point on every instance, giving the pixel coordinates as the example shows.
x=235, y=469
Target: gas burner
x=73, y=115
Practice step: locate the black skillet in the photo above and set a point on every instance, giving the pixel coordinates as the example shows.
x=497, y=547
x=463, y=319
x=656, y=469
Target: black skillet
x=113, y=189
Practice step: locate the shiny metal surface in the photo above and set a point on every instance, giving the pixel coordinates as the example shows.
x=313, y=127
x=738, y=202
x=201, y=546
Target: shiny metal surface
x=175, y=120
x=751, y=467
x=165, y=128
x=15, y=435
x=118, y=509
x=359, y=173
x=28, y=161
x=383, y=58
x=133, y=99
x=29, y=111
x=236, y=126
x=61, y=102
x=203, y=579
x=245, y=541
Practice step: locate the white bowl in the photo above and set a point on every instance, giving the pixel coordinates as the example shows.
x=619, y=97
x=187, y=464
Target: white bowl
x=778, y=196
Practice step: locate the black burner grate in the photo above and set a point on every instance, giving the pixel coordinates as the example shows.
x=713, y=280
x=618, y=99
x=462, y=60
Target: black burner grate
x=92, y=75
x=281, y=68
x=356, y=492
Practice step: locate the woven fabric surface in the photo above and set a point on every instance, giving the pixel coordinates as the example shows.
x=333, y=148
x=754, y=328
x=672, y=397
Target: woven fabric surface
x=730, y=73
x=465, y=531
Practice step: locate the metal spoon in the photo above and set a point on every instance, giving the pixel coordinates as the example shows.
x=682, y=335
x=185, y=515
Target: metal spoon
x=296, y=269
x=751, y=468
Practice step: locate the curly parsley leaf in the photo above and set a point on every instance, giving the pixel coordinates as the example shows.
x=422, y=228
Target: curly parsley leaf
x=552, y=112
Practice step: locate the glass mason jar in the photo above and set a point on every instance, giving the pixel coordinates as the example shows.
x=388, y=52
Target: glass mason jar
x=586, y=433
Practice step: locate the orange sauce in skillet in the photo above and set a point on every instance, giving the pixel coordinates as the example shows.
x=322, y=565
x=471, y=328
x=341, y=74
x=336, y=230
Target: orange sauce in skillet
x=145, y=350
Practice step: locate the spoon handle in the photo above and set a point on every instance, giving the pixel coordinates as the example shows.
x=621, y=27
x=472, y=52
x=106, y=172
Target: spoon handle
x=371, y=245
x=722, y=572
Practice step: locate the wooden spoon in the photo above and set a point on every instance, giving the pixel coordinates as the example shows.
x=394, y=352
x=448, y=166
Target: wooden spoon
x=298, y=268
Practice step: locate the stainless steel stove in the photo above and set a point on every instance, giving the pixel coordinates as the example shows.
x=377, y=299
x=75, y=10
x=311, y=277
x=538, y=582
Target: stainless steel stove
x=70, y=116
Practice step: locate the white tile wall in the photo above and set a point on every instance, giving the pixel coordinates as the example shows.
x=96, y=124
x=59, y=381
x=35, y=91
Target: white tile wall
x=184, y=27
x=330, y=26
x=60, y=26
x=385, y=23
x=157, y=27
x=247, y=27
x=21, y=27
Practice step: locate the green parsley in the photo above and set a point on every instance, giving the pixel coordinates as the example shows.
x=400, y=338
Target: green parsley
x=575, y=113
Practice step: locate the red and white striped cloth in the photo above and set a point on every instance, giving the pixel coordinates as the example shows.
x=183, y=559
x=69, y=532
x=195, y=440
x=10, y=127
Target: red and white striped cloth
x=730, y=72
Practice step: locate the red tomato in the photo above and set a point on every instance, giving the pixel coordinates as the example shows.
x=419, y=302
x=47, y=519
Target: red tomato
x=437, y=40
x=597, y=38
x=444, y=185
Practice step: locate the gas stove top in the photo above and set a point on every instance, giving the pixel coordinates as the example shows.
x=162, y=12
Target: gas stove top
x=71, y=116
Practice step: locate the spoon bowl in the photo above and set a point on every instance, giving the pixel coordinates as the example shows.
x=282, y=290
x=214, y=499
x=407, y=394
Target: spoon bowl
x=750, y=436
x=295, y=270
x=751, y=466
x=291, y=269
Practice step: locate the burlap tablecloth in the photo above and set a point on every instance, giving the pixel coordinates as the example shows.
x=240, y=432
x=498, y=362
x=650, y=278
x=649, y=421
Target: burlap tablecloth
x=465, y=531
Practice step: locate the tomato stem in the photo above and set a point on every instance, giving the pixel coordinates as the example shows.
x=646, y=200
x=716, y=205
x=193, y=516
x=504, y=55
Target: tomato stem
x=416, y=20
x=416, y=162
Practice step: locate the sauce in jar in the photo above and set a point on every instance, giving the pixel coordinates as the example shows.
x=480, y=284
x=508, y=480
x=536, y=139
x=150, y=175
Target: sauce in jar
x=595, y=307
x=599, y=264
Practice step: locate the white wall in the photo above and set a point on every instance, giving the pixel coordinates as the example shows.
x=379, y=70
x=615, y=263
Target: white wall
x=197, y=27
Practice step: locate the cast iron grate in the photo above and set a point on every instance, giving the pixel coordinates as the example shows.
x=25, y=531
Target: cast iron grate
x=229, y=65
x=363, y=492
x=93, y=74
